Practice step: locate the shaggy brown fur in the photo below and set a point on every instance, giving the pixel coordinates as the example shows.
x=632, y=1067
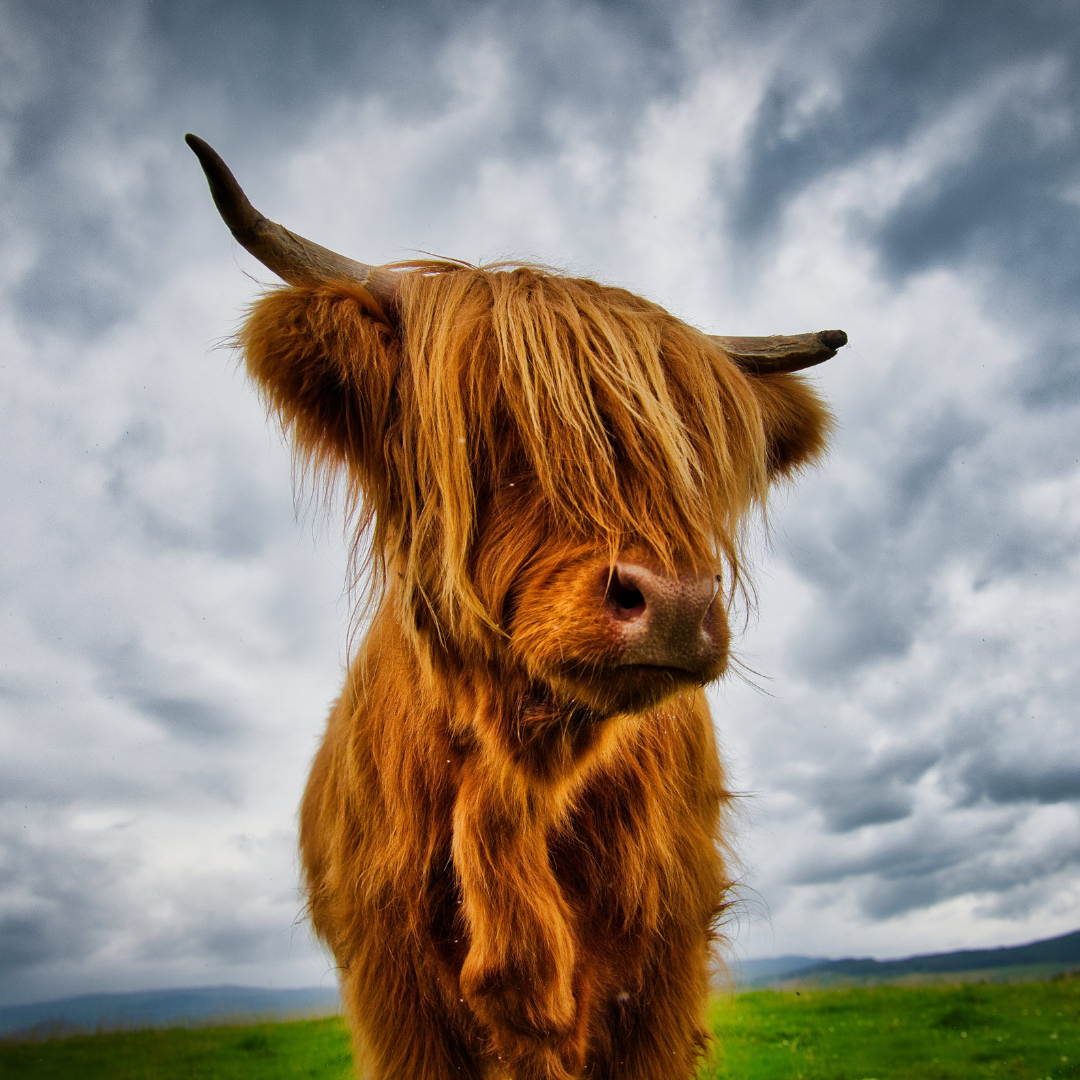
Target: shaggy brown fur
x=511, y=844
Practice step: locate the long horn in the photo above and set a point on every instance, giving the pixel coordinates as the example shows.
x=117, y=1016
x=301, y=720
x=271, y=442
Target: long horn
x=291, y=257
x=780, y=355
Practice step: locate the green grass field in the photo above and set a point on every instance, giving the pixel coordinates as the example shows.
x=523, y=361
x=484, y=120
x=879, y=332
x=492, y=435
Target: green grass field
x=300, y=1049
x=1021, y=1030
x=1028, y=1031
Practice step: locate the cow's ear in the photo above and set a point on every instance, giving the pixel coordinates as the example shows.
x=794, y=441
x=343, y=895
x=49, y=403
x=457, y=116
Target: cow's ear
x=796, y=420
x=325, y=359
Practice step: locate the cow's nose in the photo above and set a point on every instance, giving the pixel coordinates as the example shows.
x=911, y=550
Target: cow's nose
x=663, y=621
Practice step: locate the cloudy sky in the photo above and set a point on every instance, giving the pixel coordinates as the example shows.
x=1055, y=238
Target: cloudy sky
x=172, y=622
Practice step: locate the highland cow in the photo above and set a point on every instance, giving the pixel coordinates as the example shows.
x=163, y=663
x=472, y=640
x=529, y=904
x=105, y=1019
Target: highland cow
x=512, y=835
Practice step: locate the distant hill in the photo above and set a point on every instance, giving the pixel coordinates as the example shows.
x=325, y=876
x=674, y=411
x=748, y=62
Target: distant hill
x=1042, y=957
x=748, y=973
x=156, y=1008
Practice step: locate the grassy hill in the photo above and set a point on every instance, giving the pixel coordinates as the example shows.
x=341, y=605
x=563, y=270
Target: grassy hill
x=1023, y=1031
x=1040, y=959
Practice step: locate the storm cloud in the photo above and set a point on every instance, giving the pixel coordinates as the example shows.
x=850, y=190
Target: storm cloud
x=174, y=622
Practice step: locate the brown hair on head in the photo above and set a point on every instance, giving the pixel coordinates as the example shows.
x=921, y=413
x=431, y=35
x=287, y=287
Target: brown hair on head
x=626, y=426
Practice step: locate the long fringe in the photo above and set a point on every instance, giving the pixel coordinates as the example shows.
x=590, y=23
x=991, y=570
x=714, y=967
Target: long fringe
x=631, y=427
x=634, y=427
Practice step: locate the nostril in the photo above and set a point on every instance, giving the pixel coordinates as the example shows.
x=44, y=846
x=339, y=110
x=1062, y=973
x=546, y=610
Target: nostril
x=627, y=599
x=623, y=596
x=665, y=620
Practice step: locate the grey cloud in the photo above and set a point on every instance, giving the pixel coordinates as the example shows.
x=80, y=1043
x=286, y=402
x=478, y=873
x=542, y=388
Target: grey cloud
x=139, y=445
x=235, y=521
x=239, y=943
x=1006, y=202
x=917, y=864
x=20, y=691
x=120, y=81
x=1052, y=379
x=280, y=59
x=1052, y=785
x=946, y=485
x=908, y=853
x=51, y=899
x=124, y=80
x=189, y=718
x=1026, y=897
x=905, y=66
x=222, y=64
x=242, y=520
x=927, y=452
x=866, y=624
x=853, y=805
x=73, y=781
x=93, y=258
x=64, y=908
x=863, y=619
x=949, y=492
x=1017, y=881
x=129, y=671
x=872, y=563
x=986, y=776
x=886, y=898
x=853, y=798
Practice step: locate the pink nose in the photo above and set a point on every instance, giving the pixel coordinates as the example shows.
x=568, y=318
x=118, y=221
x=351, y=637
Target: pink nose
x=664, y=621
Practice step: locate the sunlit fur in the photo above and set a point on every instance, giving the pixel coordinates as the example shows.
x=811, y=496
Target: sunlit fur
x=512, y=845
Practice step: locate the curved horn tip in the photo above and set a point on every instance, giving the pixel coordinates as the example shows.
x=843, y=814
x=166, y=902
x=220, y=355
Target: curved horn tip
x=834, y=339
x=203, y=150
x=293, y=258
x=236, y=211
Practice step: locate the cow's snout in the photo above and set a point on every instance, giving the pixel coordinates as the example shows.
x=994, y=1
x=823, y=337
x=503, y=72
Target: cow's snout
x=665, y=621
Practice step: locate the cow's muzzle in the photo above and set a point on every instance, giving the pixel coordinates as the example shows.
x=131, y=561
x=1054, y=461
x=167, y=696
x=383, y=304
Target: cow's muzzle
x=666, y=622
